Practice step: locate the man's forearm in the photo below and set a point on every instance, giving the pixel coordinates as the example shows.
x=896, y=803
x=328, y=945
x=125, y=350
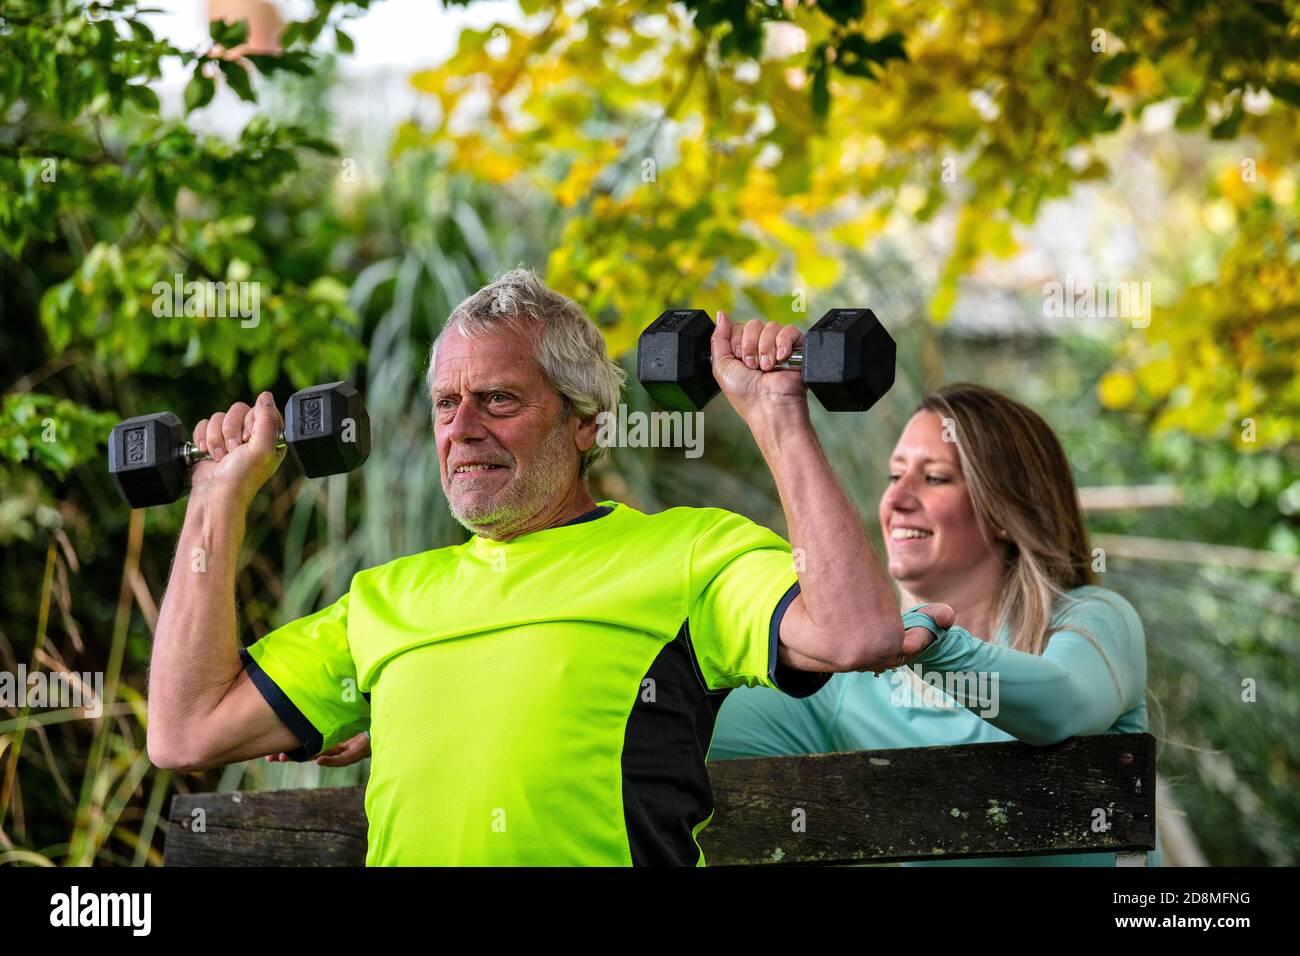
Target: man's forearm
x=195, y=650
x=845, y=590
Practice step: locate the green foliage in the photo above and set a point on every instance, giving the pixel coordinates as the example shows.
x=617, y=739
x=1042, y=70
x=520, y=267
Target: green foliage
x=130, y=200
x=49, y=433
x=52, y=432
x=157, y=201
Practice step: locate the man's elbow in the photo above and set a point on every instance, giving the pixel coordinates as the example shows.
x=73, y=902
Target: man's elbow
x=168, y=754
x=163, y=754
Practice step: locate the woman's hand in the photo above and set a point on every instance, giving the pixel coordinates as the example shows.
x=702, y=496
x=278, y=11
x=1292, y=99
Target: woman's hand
x=340, y=755
x=917, y=639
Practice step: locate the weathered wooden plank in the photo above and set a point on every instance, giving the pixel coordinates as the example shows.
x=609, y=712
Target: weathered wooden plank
x=268, y=828
x=935, y=802
x=870, y=806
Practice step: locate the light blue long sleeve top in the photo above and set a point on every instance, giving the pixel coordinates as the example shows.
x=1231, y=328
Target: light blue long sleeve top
x=1090, y=679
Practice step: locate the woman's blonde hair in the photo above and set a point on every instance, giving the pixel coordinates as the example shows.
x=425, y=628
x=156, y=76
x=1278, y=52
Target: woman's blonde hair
x=1024, y=494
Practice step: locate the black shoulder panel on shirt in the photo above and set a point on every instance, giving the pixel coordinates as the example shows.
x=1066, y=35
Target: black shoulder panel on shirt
x=666, y=789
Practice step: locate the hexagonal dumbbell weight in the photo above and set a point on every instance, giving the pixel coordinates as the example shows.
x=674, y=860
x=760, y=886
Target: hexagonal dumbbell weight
x=326, y=427
x=847, y=360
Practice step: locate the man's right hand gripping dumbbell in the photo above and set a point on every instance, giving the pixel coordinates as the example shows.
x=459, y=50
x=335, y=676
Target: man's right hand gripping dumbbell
x=199, y=688
x=325, y=426
x=242, y=442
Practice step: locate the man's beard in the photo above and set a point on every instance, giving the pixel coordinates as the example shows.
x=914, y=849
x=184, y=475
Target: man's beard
x=525, y=496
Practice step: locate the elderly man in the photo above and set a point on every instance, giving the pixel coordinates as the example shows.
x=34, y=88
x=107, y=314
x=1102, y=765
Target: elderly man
x=544, y=693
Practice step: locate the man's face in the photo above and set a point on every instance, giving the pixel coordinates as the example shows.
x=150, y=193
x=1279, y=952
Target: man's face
x=505, y=454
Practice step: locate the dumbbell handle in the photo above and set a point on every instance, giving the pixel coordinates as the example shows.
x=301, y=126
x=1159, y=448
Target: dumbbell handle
x=191, y=455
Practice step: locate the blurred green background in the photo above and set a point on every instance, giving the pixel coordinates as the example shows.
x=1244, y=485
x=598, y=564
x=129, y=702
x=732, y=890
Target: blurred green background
x=942, y=163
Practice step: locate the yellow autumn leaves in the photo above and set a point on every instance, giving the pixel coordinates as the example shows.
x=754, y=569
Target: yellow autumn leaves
x=684, y=177
x=1223, y=361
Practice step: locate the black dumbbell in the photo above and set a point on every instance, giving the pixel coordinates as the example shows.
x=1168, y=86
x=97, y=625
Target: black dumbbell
x=326, y=427
x=847, y=360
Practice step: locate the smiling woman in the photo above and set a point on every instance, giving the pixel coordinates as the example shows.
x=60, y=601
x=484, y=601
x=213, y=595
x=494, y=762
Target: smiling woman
x=987, y=484
x=981, y=513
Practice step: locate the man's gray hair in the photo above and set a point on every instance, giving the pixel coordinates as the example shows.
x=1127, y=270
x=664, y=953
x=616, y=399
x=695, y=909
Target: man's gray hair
x=569, y=347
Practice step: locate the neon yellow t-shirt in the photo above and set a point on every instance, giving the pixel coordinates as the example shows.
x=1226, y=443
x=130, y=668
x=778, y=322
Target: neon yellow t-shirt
x=544, y=701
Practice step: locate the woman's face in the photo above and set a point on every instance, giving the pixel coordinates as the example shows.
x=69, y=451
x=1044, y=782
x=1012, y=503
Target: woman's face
x=926, y=514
